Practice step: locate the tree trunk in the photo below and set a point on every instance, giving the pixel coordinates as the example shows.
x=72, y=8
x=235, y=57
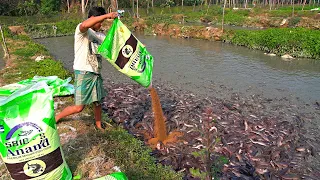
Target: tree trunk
x=133, y=8
x=137, y=8
x=224, y=6
x=194, y=6
x=304, y=3
x=208, y=7
x=201, y=4
x=114, y=5
x=292, y=1
x=83, y=9
x=5, y=49
x=71, y=4
x=182, y=4
x=107, y=3
x=147, y=7
x=68, y=6
x=152, y=6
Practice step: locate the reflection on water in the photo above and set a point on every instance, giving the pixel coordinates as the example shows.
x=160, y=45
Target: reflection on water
x=204, y=66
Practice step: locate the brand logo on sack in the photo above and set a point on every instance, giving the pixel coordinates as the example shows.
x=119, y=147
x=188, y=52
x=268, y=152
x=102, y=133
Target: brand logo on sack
x=17, y=146
x=140, y=62
x=17, y=127
x=34, y=168
x=1, y=129
x=127, y=51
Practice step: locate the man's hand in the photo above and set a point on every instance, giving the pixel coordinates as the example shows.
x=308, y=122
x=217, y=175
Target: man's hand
x=113, y=15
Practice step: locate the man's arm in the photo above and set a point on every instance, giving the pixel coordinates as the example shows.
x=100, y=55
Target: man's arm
x=85, y=25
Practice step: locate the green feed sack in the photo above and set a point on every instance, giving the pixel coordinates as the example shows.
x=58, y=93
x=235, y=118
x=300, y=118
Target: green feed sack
x=29, y=141
x=7, y=90
x=114, y=176
x=126, y=53
x=60, y=87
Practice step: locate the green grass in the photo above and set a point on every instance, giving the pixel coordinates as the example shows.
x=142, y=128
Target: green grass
x=30, y=49
x=134, y=156
x=46, y=67
x=299, y=42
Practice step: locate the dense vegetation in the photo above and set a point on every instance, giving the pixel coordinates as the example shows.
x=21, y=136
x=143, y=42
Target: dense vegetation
x=32, y=7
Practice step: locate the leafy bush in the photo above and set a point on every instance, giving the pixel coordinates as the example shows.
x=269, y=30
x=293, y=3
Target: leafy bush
x=67, y=26
x=49, y=6
x=191, y=2
x=4, y=7
x=27, y=8
x=294, y=21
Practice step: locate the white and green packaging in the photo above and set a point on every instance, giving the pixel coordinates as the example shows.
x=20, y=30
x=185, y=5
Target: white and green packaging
x=114, y=176
x=59, y=86
x=127, y=54
x=29, y=141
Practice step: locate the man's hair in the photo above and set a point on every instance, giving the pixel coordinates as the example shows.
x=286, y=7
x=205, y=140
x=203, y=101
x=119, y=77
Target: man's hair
x=96, y=11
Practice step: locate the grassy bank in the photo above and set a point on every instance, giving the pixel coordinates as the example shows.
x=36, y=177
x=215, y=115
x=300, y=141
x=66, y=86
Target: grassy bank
x=22, y=65
x=88, y=152
x=61, y=28
x=251, y=17
x=298, y=42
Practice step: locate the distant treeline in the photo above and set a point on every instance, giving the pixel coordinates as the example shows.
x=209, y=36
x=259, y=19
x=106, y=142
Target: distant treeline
x=32, y=7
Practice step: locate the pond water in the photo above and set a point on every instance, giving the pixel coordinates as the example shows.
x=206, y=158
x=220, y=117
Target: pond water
x=289, y=89
x=214, y=68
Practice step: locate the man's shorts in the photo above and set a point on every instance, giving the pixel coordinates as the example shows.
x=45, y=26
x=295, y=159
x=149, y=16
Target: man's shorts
x=88, y=88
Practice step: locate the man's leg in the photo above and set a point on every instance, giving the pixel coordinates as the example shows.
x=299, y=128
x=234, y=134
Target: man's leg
x=68, y=111
x=97, y=114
